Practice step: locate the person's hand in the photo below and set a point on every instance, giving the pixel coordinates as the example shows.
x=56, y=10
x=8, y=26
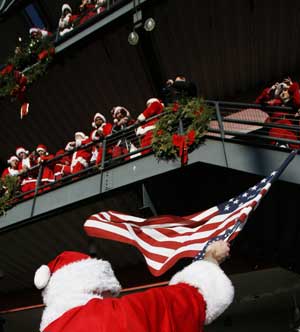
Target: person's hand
x=217, y=251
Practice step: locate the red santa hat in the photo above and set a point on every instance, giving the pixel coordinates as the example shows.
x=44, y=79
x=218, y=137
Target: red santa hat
x=152, y=100
x=44, y=33
x=20, y=150
x=118, y=109
x=81, y=134
x=80, y=269
x=98, y=115
x=12, y=158
x=41, y=147
x=64, y=7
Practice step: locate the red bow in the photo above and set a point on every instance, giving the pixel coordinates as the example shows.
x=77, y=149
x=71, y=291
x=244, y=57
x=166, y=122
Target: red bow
x=182, y=142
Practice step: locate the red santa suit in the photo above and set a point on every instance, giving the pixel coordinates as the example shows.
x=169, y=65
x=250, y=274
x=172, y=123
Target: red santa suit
x=60, y=165
x=196, y=296
x=103, y=130
x=81, y=157
x=28, y=182
x=9, y=171
x=124, y=145
x=48, y=174
x=145, y=131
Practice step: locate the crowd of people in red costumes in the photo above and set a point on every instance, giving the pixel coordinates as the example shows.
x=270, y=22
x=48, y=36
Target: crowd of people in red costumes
x=287, y=94
x=87, y=9
x=22, y=163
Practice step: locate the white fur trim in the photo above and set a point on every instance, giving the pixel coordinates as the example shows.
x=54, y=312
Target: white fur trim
x=81, y=134
x=12, y=158
x=80, y=160
x=65, y=6
x=20, y=150
x=73, y=285
x=212, y=283
x=99, y=115
x=69, y=146
x=42, y=276
x=141, y=117
x=151, y=100
x=143, y=130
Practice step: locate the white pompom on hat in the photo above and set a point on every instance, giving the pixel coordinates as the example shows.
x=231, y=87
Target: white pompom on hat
x=12, y=158
x=20, y=150
x=44, y=272
x=98, y=115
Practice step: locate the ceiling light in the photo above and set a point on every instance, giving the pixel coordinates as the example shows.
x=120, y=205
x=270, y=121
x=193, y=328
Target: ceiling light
x=133, y=38
x=149, y=24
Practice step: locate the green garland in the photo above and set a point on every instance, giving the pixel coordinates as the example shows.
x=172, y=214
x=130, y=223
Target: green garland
x=30, y=61
x=169, y=141
x=8, y=189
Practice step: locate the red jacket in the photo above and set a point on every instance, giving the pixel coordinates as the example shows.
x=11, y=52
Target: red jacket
x=167, y=309
x=154, y=108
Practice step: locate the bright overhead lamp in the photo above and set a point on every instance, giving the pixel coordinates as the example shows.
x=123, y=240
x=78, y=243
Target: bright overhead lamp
x=149, y=25
x=133, y=38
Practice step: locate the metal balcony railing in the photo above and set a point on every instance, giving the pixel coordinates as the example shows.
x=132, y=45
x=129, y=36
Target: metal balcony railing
x=244, y=123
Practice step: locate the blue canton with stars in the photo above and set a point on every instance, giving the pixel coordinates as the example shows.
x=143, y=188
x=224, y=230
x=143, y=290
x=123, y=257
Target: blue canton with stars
x=234, y=204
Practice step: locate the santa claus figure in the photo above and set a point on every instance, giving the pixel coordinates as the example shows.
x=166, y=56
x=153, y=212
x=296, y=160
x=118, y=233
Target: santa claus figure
x=13, y=168
x=145, y=131
x=101, y=130
x=38, y=34
x=122, y=119
x=65, y=23
x=26, y=162
x=43, y=156
x=81, y=157
x=79, y=295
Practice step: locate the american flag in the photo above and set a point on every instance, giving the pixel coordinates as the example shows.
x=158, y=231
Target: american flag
x=164, y=239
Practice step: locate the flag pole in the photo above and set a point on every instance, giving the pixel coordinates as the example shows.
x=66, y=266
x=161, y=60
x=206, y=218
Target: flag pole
x=241, y=223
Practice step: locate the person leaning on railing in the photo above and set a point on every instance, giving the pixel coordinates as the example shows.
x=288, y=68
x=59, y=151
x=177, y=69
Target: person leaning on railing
x=48, y=170
x=65, y=23
x=145, y=131
x=102, y=129
x=285, y=93
x=80, y=157
x=122, y=119
x=28, y=178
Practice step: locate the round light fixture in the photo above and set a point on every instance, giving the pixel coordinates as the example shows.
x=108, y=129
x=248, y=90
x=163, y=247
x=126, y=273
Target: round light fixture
x=133, y=38
x=149, y=24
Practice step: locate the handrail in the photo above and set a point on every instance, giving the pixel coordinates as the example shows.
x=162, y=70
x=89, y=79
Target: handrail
x=129, y=134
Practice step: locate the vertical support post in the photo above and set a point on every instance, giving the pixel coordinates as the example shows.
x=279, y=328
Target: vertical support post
x=38, y=181
x=102, y=162
x=147, y=202
x=220, y=123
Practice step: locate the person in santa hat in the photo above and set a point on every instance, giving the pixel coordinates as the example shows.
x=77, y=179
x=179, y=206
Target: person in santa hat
x=79, y=296
x=81, y=157
x=145, y=131
x=101, y=6
x=87, y=8
x=38, y=34
x=12, y=169
x=65, y=23
x=26, y=162
x=122, y=120
x=101, y=129
x=43, y=156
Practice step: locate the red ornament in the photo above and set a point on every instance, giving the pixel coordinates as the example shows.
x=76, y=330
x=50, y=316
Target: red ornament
x=6, y=70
